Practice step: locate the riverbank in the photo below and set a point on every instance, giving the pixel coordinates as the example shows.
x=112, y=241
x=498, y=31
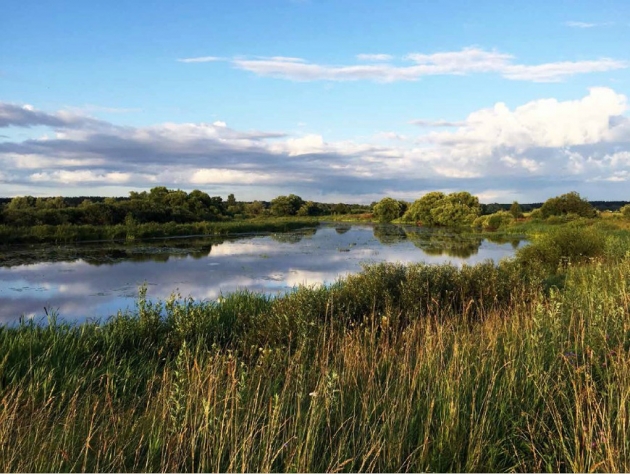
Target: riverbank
x=130, y=232
x=399, y=368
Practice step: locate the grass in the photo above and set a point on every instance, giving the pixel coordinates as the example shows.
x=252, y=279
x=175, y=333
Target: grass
x=398, y=368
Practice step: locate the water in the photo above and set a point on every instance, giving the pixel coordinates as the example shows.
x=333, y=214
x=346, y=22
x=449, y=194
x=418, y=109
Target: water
x=93, y=281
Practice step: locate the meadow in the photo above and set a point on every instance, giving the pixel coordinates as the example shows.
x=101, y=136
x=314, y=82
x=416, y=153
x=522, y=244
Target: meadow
x=521, y=366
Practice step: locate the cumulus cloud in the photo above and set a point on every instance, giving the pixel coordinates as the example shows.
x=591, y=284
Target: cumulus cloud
x=542, y=123
x=471, y=60
x=538, y=149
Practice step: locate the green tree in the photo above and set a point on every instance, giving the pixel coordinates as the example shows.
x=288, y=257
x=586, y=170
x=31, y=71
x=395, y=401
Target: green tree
x=158, y=193
x=309, y=208
x=456, y=209
x=387, y=210
x=625, y=210
x=176, y=198
x=21, y=203
x=420, y=210
x=198, y=202
x=286, y=205
x=340, y=208
x=516, y=211
x=437, y=209
x=570, y=203
x=254, y=208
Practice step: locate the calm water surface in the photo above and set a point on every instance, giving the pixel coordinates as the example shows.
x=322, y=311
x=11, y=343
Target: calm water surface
x=95, y=281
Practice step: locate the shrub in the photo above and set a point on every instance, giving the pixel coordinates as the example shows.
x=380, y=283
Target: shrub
x=438, y=209
x=494, y=221
x=562, y=246
x=387, y=210
x=567, y=204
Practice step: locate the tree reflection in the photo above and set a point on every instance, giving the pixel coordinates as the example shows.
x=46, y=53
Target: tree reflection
x=504, y=239
x=389, y=234
x=112, y=253
x=293, y=237
x=441, y=242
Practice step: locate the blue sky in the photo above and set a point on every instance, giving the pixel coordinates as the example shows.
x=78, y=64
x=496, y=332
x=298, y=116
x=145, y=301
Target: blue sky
x=332, y=100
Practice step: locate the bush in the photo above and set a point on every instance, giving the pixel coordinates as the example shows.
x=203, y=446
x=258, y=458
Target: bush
x=494, y=221
x=438, y=209
x=387, y=210
x=570, y=203
x=563, y=246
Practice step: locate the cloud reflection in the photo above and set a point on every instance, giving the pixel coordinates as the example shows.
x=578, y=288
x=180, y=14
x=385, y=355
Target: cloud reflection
x=89, y=288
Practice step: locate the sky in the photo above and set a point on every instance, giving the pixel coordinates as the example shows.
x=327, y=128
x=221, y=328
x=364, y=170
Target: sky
x=333, y=100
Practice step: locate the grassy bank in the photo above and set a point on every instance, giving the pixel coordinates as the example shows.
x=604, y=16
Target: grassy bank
x=412, y=368
x=76, y=233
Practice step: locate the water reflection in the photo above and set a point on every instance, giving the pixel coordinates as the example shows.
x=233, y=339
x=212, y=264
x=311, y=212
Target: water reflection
x=433, y=242
x=389, y=234
x=293, y=237
x=446, y=243
x=514, y=241
x=342, y=228
x=94, y=281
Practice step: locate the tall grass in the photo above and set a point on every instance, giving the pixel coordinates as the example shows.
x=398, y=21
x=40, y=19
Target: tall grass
x=396, y=369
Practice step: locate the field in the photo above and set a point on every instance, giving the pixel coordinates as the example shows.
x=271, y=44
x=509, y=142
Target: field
x=522, y=366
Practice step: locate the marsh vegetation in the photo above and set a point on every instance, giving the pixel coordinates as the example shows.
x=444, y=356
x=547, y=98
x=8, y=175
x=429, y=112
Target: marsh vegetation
x=523, y=365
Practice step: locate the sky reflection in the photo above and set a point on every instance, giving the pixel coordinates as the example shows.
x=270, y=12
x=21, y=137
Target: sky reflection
x=99, y=281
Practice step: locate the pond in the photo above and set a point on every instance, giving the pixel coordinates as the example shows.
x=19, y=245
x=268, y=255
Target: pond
x=93, y=281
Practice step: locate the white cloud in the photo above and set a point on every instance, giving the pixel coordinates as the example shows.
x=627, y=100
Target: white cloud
x=527, y=149
x=584, y=24
x=556, y=72
x=80, y=177
x=452, y=172
x=226, y=176
x=374, y=57
x=579, y=24
x=462, y=62
x=99, y=108
x=390, y=136
x=287, y=59
x=470, y=60
x=28, y=116
x=201, y=59
x=524, y=163
x=306, y=144
x=436, y=123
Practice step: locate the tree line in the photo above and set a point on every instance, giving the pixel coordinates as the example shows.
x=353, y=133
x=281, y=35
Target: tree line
x=158, y=205
x=437, y=209
x=163, y=205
